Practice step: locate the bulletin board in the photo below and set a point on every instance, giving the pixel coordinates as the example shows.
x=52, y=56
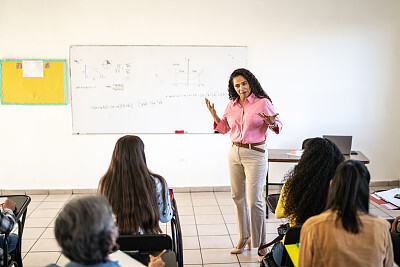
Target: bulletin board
x=150, y=89
x=33, y=82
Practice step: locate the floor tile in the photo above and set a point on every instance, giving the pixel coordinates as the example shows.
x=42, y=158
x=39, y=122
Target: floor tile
x=203, y=195
x=57, y=198
x=46, y=244
x=48, y=233
x=189, y=230
x=185, y=210
x=209, y=219
x=51, y=205
x=248, y=256
x=225, y=201
x=44, y=213
x=40, y=259
x=212, y=229
x=207, y=210
x=186, y=219
x=32, y=233
x=223, y=241
x=62, y=261
x=37, y=222
x=204, y=202
x=191, y=242
x=216, y=256
x=27, y=244
x=227, y=209
x=192, y=256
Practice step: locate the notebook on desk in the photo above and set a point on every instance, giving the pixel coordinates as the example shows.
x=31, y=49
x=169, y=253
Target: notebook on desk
x=343, y=142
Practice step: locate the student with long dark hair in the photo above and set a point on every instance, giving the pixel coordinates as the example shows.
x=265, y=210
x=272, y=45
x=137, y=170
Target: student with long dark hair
x=346, y=234
x=306, y=188
x=139, y=198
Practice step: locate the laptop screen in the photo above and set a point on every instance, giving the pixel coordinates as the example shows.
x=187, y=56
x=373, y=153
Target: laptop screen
x=342, y=142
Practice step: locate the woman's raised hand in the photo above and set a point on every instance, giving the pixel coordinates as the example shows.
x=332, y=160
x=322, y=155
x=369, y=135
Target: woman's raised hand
x=210, y=107
x=270, y=119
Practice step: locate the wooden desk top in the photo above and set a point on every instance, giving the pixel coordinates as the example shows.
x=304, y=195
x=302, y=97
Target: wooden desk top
x=280, y=155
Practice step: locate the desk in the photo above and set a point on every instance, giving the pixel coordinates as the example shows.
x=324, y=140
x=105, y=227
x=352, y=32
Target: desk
x=293, y=252
x=281, y=155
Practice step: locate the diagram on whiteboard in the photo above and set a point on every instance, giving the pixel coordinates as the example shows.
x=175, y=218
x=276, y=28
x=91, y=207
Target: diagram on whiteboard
x=104, y=69
x=149, y=89
x=187, y=75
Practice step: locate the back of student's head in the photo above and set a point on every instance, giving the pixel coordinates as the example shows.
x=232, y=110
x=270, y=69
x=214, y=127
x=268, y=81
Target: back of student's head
x=84, y=230
x=307, y=184
x=349, y=193
x=130, y=188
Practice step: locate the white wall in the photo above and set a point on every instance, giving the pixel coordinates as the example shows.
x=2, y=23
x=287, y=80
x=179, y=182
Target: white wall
x=330, y=67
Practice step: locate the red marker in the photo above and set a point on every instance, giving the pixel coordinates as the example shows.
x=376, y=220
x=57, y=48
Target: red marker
x=179, y=131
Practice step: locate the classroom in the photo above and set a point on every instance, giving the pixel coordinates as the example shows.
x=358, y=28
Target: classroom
x=329, y=66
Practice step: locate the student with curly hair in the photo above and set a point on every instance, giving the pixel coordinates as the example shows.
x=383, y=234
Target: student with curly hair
x=306, y=188
x=346, y=234
x=248, y=116
x=139, y=198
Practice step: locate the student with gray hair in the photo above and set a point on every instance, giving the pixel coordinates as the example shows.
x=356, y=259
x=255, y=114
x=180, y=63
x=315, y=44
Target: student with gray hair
x=86, y=231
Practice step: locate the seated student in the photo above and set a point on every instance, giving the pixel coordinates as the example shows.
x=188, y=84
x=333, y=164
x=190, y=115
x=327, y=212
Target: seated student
x=7, y=221
x=395, y=235
x=346, y=234
x=304, y=193
x=86, y=232
x=139, y=198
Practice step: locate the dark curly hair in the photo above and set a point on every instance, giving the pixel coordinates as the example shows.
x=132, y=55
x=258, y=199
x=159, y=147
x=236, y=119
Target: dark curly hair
x=307, y=184
x=254, y=84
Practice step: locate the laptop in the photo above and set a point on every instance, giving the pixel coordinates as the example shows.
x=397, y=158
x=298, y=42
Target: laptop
x=342, y=142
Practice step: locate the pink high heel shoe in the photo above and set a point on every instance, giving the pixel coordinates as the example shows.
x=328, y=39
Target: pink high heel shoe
x=239, y=249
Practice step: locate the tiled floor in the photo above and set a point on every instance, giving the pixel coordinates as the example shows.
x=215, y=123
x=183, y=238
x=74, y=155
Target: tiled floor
x=207, y=221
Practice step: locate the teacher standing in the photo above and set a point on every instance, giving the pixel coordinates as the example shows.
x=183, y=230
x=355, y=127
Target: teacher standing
x=248, y=116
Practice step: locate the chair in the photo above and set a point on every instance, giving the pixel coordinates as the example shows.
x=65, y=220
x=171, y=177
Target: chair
x=176, y=232
x=140, y=246
x=22, y=202
x=292, y=236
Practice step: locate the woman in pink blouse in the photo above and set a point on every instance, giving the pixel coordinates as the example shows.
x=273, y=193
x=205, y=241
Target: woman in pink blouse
x=248, y=116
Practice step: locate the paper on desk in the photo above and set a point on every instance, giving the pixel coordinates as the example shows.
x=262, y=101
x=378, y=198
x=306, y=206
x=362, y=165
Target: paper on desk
x=297, y=153
x=388, y=195
x=124, y=259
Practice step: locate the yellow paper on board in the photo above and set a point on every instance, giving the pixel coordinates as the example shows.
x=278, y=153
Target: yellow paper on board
x=48, y=89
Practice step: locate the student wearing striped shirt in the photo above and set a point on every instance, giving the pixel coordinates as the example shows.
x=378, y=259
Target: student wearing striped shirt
x=7, y=221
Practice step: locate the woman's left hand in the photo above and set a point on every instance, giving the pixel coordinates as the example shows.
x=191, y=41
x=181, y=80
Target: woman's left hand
x=270, y=119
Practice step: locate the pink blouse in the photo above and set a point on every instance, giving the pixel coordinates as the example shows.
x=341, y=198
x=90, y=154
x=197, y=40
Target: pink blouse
x=244, y=123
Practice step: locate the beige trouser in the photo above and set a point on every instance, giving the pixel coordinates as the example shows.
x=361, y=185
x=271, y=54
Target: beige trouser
x=247, y=169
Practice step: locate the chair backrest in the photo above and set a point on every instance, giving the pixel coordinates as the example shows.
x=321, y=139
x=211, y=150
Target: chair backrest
x=156, y=242
x=176, y=231
x=292, y=235
x=140, y=247
x=272, y=201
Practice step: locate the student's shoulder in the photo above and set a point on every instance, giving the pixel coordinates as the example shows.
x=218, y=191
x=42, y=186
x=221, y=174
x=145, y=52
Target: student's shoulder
x=322, y=218
x=378, y=221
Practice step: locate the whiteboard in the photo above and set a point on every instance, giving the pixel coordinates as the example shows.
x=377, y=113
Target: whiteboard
x=149, y=89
